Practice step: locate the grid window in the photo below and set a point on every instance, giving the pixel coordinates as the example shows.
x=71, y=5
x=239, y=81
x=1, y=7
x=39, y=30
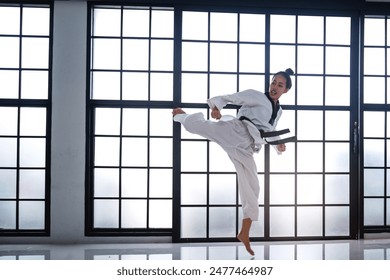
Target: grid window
x=24, y=118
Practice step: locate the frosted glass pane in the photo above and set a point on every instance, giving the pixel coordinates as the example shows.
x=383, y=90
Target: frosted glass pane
x=134, y=151
x=310, y=29
x=107, y=121
x=161, y=86
x=32, y=184
x=9, y=120
x=336, y=189
x=310, y=90
x=135, y=54
x=160, y=213
x=310, y=157
x=106, y=54
x=9, y=20
x=106, y=214
x=374, y=153
x=195, y=25
x=336, y=221
x=36, y=21
x=7, y=152
x=374, y=184
x=257, y=229
x=135, y=86
x=282, y=189
x=309, y=252
x=160, y=122
x=309, y=221
x=374, y=31
x=106, y=182
x=9, y=84
x=338, y=30
x=160, y=152
x=282, y=252
x=8, y=214
x=32, y=121
x=256, y=82
x=107, y=151
x=374, y=124
x=283, y=29
x=35, y=53
x=134, y=214
x=134, y=122
x=223, y=26
x=9, y=52
x=135, y=23
x=337, y=157
x=337, y=91
x=310, y=60
x=107, y=22
x=310, y=125
x=222, y=222
x=374, y=90
x=106, y=85
x=247, y=32
x=162, y=24
x=161, y=55
x=282, y=221
x=221, y=84
x=373, y=212
x=8, y=184
x=337, y=251
x=219, y=160
x=160, y=183
x=193, y=222
x=282, y=57
x=134, y=182
x=31, y=215
x=223, y=57
x=309, y=189
x=338, y=61
x=32, y=152
x=193, y=189
x=193, y=156
x=34, y=84
x=194, y=88
x=194, y=56
x=252, y=58
x=337, y=125
x=374, y=61
x=388, y=212
x=223, y=189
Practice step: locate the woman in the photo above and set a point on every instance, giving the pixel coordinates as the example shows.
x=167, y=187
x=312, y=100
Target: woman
x=240, y=137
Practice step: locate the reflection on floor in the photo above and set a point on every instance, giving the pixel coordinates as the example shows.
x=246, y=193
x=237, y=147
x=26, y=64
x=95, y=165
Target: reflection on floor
x=363, y=249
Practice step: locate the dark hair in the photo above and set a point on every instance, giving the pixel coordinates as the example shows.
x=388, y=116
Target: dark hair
x=286, y=74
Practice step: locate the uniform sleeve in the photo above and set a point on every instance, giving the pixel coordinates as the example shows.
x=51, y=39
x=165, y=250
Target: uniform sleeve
x=248, y=97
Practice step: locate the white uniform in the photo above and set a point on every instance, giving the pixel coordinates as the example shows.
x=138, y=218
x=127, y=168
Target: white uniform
x=240, y=139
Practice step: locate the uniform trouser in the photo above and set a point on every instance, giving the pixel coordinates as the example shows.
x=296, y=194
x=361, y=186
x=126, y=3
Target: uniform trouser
x=234, y=138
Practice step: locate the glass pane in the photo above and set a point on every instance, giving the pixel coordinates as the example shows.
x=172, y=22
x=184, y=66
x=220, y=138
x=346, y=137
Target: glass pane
x=374, y=182
x=34, y=84
x=247, y=32
x=309, y=189
x=134, y=152
x=135, y=23
x=310, y=90
x=135, y=54
x=32, y=121
x=106, y=151
x=32, y=184
x=9, y=84
x=374, y=90
x=223, y=57
x=8, y=214
x=310, y=60
x=219, y=160
x=107, y=121
x=336, y=221
x=9, y=121
x=283, y=29
x=106, y=53
x=373, y=211
x=376, y=118
x=284, y=162
x=310, y=125
x=195, y=25
x=9, y=52
x=193, y=156
x=310, y=30
x=252, y=58
x=160, y=183
x=337, y=125
x=193, y=189
x=193, y=222
x=160, y=213
x=374, y=31
x=222, y=189
x=32, y=152
x=106, y=22
x=134, y=213
x=36, y=21
x=337, y=60
x=309, y=157
x=160, y=152
x=161, y=86
x=35, y=53
x=194, y=88
x=31, y=214
x=282, y=57
x=309, y=221
x=9, y=20
x=135, y=122
x=256, y=82
x=336, y=189
x=337, y=91
x=161, y=122
x=106, y=213
x=134, y=182
x=194, y=56
x=373, y=153
x=162, y=24
x=223, y=26
x=8, y=152
x=282, y=221
x=221, y=84
x=374, y=61
x=106, y=85
x=8, y=184
x=338, y=30
x=106, y=182
x=282, y=189
x=135, y=86
x=337, y=157
x=161, y=55
x=222, y=222
x=388, y=212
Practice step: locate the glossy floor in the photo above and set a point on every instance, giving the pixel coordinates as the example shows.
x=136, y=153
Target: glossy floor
x=363, y=249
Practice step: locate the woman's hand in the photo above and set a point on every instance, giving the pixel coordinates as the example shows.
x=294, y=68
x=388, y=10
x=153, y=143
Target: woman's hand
x=215, y=113
x=281, y=147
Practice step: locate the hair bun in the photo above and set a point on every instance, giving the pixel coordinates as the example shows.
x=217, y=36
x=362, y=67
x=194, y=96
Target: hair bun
x=289, y=71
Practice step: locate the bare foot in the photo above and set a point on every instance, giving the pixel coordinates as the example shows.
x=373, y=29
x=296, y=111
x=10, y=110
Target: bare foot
x=177, y=111
x=245, y=239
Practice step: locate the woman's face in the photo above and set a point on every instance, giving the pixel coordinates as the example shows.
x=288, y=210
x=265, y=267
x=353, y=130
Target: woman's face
x=277, y=87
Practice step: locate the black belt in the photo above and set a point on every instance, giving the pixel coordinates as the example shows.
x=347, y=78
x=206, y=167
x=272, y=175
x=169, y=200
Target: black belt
x=274, y=133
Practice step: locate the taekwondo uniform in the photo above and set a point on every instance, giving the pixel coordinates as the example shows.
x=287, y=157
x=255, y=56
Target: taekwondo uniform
x=239, y=137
